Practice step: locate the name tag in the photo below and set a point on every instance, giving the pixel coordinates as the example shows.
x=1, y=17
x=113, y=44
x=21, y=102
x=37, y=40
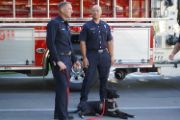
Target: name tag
x=93, y=28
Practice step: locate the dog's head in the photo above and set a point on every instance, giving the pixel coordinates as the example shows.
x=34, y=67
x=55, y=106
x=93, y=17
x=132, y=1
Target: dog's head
x=112, y=93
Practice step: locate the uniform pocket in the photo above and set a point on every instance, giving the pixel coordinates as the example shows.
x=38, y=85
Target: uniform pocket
x=106, y=59
x=92, y=32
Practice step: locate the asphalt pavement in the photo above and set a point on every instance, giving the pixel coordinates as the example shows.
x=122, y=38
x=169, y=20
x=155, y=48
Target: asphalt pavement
x=148, y=96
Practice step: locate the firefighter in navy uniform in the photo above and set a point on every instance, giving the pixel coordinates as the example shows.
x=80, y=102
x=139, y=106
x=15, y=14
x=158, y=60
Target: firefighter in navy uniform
x=97, y=51
x=61, y=58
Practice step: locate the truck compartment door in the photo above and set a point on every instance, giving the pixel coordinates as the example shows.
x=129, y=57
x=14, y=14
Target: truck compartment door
x=132, y=45
x=16, y=46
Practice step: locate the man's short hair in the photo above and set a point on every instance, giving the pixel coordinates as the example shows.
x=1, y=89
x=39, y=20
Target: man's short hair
x=62, y=4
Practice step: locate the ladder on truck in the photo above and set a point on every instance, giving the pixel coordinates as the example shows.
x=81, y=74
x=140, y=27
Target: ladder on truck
x=42, y=11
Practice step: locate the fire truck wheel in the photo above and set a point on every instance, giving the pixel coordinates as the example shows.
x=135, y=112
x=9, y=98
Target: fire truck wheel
x=77, y=77
x=120, y=74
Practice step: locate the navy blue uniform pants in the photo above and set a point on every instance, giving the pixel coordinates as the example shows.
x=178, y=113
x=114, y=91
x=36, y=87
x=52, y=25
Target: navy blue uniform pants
x=102, y=63
x=61, y=87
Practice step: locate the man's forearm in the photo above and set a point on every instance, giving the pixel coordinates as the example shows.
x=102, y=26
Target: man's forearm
x=176, y=48
x=110, y=48
x=83, y=48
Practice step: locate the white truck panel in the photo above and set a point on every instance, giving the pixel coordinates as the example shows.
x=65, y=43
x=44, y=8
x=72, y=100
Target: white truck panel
x=131, y=45
x=17, y=47
x=23, y=35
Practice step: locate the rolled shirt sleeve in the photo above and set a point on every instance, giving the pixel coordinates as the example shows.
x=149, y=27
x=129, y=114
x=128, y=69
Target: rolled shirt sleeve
x=109, y=35
x=83, y=34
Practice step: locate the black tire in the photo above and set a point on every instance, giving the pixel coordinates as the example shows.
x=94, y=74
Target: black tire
x=120, y=74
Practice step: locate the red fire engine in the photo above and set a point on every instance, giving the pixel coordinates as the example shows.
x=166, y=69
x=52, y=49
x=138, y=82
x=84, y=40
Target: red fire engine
x=140, y=29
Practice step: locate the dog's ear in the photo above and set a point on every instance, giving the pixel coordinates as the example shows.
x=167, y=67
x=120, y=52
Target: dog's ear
x=112, y=93
x=117, y=96
x=111, y=90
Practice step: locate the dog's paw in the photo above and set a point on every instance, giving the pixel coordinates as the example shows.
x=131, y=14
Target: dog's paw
x=124, y=117
x=131, y=116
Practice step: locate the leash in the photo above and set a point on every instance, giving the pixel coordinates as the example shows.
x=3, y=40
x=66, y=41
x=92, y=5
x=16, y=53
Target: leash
x=68, y=94
x=68, y=84
x=101, y=115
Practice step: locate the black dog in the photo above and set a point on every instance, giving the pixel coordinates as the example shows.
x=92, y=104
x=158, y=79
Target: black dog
x=110, y=107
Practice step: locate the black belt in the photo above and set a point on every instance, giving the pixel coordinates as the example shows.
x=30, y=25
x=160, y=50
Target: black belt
x=99, y=50
x=66, y=53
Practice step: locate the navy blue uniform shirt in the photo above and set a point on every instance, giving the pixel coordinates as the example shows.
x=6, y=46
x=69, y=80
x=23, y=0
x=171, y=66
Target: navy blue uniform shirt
x=58, y=38
x=95, y=35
